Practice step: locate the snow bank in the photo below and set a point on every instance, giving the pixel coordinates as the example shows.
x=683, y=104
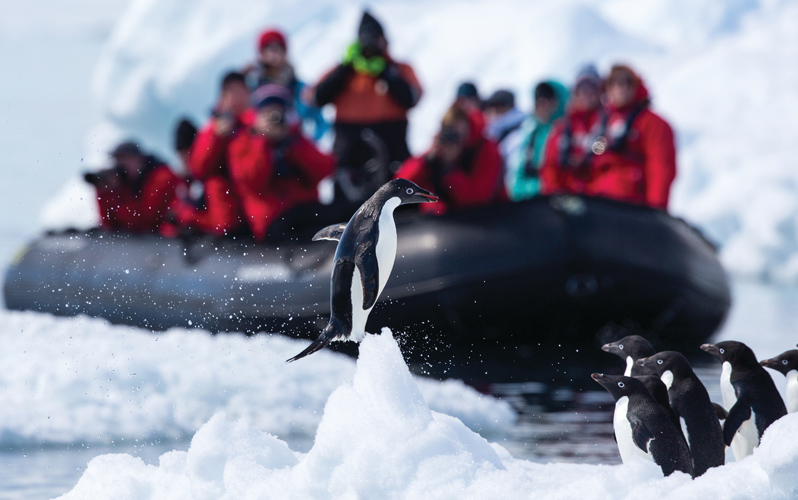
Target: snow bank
x=379, y=439
x=81, y=380
x=717, y=70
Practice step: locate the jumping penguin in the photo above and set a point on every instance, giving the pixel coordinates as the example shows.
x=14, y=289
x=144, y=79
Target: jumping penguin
x=642, y=428
x=363, y=261
x=749, y=395
x=690, y=400
x=786, y=363
x=630, y=349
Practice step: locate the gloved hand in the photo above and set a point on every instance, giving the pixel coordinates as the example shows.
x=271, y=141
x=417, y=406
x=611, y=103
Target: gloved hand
x=370, y=66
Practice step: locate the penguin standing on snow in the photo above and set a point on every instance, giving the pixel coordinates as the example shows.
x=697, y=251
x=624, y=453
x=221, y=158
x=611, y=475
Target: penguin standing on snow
x=690, y=400
x=749, y=395
x=786, y=363
x=630, y=349
x=363, y=261
x=642, y=428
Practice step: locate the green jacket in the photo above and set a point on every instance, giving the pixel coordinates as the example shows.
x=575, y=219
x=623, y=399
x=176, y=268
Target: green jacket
x=523, y=186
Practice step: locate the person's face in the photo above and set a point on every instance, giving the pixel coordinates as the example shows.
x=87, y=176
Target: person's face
x=453, y=143
x=273, y=55
x=271, y=121
x=586, y=96
x=545, y=109
x=373, y=46
x=132, y=164
x=620, y=90
x=235, y=98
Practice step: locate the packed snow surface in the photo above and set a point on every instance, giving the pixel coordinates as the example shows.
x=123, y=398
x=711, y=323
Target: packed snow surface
x=719, y=71
x=378, y=438
x=81, y=380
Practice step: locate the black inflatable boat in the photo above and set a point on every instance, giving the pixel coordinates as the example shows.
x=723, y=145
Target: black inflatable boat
x=503, y=279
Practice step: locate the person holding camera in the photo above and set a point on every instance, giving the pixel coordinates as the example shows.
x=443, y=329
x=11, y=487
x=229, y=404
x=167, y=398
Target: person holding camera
x=575, y=139
x=370, y=91
x=209, y=204
x=462, y=167
x=274, y=168
x=135, y=193
x=637, y=163
x=272, y=66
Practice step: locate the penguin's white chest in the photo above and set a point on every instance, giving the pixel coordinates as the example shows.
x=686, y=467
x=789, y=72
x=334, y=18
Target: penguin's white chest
x=792, y=391
x=629, y=364
x=747, y=437
x=623, y=434
x=386, y=241
x=385, y=251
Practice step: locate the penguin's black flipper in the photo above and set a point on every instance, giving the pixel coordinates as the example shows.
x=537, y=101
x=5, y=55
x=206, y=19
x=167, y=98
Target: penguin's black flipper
x=367, y=264
x=331, y=233
x=739, y=413
x=720, y=411
x=327, y=335
x=640, y=434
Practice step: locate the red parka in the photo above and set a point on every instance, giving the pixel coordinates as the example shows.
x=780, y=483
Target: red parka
x=476, y=180
x=208, y=162
x=642, y=168
x=567, y=164
x=141, y=206
x=633, y=161
x=273, y=178
x=221, y=213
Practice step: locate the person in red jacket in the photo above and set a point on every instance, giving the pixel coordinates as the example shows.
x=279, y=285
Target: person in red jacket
x=462, y=167
x=569, y=150
x=273, y=166
x=637, y=161
x=211, y=205
x=372, y=94
x=134, y=195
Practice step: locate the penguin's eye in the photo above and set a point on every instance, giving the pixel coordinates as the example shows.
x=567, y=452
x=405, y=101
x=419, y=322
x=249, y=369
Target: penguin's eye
x=621, y=385
x=784, y=361
x=620, y=347
x=409, y=190
x=659, y=361
x=722, y=350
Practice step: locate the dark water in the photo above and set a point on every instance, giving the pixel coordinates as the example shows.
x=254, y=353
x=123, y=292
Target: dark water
x=558, y=423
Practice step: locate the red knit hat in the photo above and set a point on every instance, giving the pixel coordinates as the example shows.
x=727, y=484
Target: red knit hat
x=271, y=36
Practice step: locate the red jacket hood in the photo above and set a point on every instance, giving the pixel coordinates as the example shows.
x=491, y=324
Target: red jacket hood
x=641, y=94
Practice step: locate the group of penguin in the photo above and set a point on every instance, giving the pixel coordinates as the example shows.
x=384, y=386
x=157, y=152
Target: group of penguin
x=663, y=412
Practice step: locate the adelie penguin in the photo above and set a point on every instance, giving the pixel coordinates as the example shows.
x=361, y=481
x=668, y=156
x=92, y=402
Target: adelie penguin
x=630, y=349
x=642, y=428
x=690, y=400
x=363, y=261
x=749, y=395
x=786, y=363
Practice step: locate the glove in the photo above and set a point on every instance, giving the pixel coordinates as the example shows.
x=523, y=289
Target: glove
x=372, y=66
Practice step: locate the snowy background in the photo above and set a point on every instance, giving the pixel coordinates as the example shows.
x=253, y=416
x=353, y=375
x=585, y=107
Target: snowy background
x=722, y=72
x=79, y=75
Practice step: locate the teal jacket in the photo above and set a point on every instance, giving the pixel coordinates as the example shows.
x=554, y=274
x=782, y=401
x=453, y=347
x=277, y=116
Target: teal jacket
x=522, y=185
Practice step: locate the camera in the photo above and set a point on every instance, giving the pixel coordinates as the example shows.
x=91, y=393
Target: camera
x=275, y=118
x=450, y=135
x=103, y=178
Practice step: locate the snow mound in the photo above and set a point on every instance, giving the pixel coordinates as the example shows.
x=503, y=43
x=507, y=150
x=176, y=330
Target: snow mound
x=379, y=439
x=81, y=380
